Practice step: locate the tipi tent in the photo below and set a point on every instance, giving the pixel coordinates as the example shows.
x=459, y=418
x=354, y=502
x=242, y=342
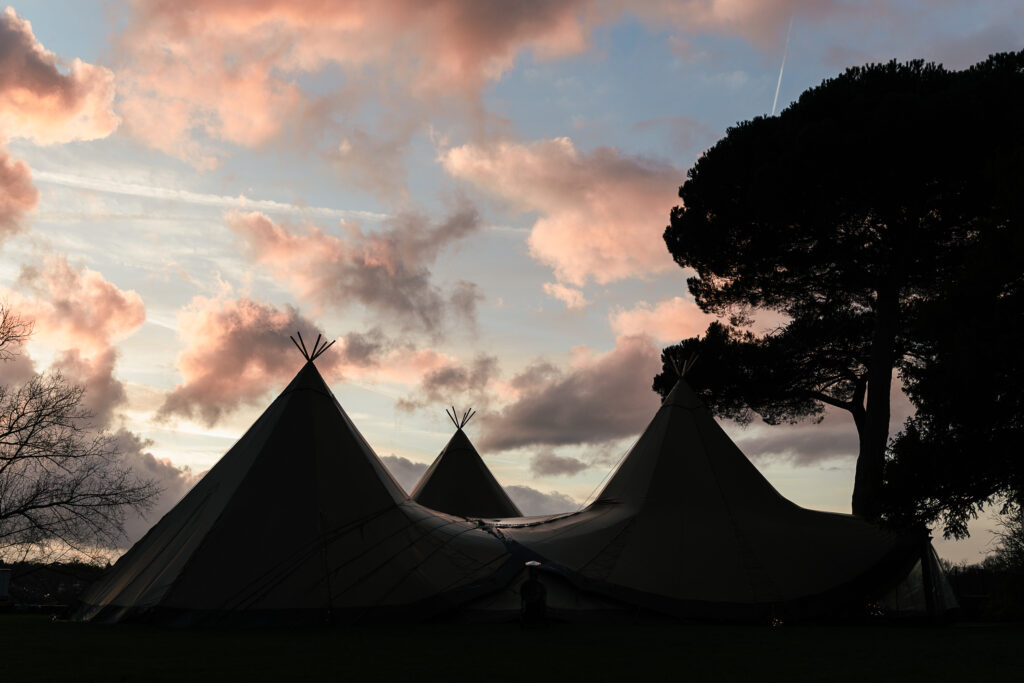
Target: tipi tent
x=298, y=523
x=459, y=483
x=687, y=526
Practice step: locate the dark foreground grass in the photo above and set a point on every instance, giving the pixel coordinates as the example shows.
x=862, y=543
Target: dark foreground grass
x=34, y=648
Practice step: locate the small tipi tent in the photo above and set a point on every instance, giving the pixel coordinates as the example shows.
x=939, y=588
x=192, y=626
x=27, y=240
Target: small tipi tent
x=459, y=483
x=688, y=526
x=298, y=523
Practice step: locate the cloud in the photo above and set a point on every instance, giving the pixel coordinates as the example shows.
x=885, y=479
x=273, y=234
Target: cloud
x=809, y=443
x=19, y=368
x=405, y=471
x=106, y=182
x=570, y=296
x=448, y=383
x=17, y=194
x=533, y=502
x=387, y=270
x=374, y=162
x=547, y=464
x=601, y=398
x=801, y=444
x=195, y=75
x=762, y=23
x=45, y=100
x=238, y=350
x=601, y=215
x=173, y=482
x=77, y=308
x=670, y=320
x=219, y=70
x=686, y=135
x=103, y=392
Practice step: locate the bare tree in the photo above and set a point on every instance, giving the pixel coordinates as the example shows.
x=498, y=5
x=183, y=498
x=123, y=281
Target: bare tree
x=63, y=485
x=14, y=331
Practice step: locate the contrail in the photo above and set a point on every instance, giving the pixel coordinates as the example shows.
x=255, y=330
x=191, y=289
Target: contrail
x=781, y=68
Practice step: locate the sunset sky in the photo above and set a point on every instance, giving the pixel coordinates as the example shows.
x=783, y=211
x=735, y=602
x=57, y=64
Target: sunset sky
x=468, y=196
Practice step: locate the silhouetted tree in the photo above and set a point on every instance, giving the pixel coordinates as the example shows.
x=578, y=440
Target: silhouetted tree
x=963, y=371
x=62, y=485
x=840, y=214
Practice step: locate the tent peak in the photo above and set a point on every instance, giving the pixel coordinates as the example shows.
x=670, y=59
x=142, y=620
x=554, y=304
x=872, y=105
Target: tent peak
x=460, y=422
x=680, y=369
x=317, y=351
x=686, y=366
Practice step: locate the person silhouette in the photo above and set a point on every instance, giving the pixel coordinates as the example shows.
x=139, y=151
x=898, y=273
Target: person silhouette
x=533, y=595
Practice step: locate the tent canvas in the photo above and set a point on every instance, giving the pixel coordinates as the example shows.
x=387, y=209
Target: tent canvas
x=460, y=483
x=688, y=526
x=298, y=523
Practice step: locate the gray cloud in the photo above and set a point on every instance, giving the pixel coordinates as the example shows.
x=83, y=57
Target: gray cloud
x=375, y=161
x=686, y=135
x=453, y=384
x=174, y=482
x=364, y=348
x=17, y=369
x=103, y=392
x=533, y=502
x=604, y=399
x=802, y=444
x=405, y=471
x=538, y=373
x=548, y=464
x=464, y=299
x=808, y=443
x=386, y=270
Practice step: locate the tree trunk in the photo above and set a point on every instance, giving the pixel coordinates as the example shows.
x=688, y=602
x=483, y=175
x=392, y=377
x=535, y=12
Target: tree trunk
x=867, y=486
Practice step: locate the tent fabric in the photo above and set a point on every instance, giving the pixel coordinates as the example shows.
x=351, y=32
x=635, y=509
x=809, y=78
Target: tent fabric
x=459, y=482
x=688, y=526
x=298, y=522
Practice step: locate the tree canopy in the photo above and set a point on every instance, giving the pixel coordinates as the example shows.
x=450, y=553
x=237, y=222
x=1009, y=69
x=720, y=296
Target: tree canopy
x=963, y=372
x=849, y=216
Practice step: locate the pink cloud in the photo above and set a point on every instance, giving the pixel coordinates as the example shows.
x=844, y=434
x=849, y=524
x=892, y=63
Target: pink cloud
x=670, y=320
x=570, y=296
x=387, y=271
x=601, y=397
x=46, y=100
x=77, y=308
x=17, y=194
x=763, y=22
x=238, y=350
x=227, y=70
x=198, y=72
x=601, y=215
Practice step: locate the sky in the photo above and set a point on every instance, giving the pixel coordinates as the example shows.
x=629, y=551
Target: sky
x=468, y=196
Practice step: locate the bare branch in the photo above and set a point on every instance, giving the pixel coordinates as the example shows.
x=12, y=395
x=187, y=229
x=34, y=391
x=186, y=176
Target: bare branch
x=14, y=331
x=62, y=484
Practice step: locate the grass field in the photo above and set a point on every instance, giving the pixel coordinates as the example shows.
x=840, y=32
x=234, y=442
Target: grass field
x=34, y=648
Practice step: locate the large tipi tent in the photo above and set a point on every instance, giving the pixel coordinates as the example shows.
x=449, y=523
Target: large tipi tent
x=459, y=483
x=687, y=526
x=298, y=523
